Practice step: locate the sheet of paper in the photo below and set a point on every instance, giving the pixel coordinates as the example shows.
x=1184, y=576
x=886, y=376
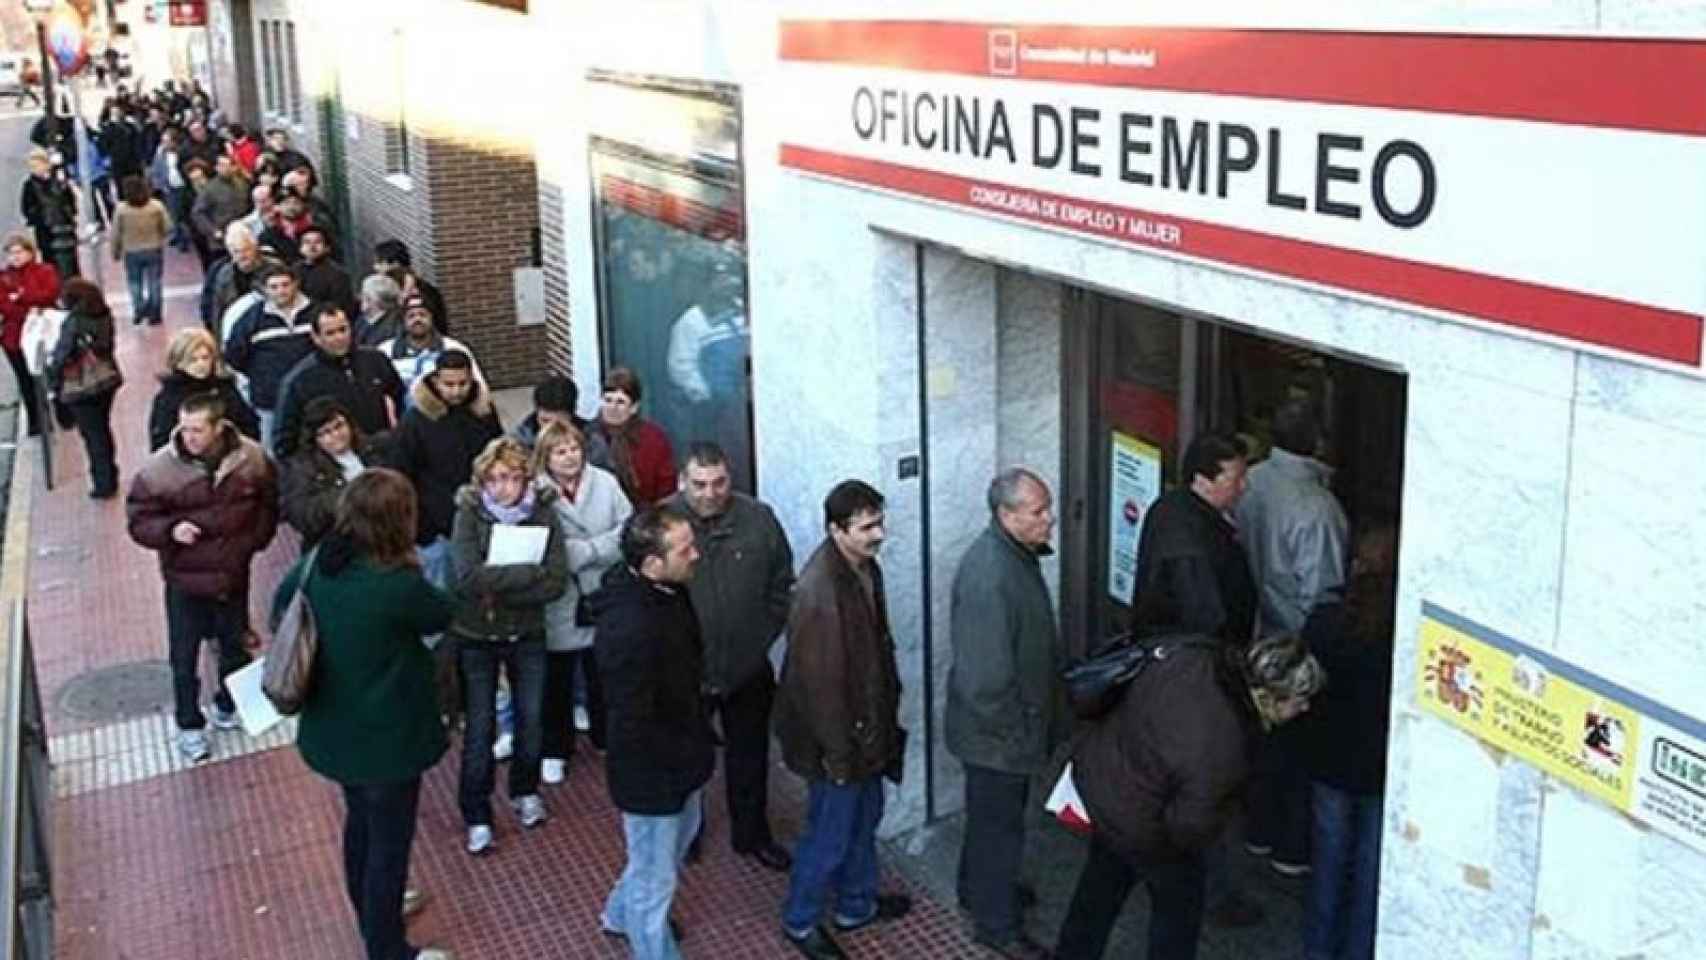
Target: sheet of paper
x=253, y=708
x=512, y=544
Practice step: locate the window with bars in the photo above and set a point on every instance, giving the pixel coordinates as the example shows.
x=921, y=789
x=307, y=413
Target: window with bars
x=397, y=130
x=293, y=75
x=269, y=86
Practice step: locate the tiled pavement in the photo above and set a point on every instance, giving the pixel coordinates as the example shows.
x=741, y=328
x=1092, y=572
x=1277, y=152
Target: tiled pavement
x=239, y=858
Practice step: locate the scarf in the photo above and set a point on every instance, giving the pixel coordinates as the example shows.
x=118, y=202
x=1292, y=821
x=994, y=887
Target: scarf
x=515, y=513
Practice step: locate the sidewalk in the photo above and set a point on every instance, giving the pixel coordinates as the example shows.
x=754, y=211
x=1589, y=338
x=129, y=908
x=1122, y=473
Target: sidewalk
x=240, y=857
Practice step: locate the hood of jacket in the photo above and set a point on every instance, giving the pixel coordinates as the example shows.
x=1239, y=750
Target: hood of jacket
x=544, y=502
x=425, y=397
x=237, y=452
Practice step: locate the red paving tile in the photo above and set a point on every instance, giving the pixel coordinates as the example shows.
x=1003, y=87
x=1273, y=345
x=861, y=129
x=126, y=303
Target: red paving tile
x=240, y=859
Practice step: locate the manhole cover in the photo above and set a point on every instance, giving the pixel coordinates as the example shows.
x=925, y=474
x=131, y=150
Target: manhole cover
x=118, y=692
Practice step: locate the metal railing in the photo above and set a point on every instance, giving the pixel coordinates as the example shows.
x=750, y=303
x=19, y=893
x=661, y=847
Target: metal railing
x=26, y=868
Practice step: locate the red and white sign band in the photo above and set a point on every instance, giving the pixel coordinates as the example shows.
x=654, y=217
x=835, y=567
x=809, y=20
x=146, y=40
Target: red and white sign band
x=1528, y=197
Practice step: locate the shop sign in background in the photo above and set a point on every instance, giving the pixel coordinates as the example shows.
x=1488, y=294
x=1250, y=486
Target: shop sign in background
x=1643, y=758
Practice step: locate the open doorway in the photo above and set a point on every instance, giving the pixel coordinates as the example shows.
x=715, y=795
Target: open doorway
x=1142, y=380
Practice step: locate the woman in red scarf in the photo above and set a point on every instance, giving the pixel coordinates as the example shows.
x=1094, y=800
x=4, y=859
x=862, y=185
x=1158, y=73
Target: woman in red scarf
x=640, y=453
x=25, y=283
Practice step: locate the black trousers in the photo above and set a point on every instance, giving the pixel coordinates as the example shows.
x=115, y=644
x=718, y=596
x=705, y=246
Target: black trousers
x=190, y=620
x=557, y=711
x=26, y=389
x=745, y=715
x=94, y=418
x=379, y=830
x=1175, y=905
x=993, y=851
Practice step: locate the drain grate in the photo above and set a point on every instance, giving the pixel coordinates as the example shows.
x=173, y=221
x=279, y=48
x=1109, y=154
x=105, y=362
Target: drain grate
x=119, y=692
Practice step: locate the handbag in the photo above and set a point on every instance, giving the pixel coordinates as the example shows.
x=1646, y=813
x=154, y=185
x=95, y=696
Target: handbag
x=287, y=674
x=86, y=375
x=1096, y=682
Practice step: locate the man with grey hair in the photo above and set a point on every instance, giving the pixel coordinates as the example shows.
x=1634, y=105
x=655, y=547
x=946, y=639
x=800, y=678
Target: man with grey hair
x=232, y=277
x=381, y=311
x=1006, y=710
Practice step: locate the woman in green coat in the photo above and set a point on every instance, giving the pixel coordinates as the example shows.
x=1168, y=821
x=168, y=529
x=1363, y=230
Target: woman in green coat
x=371, y=721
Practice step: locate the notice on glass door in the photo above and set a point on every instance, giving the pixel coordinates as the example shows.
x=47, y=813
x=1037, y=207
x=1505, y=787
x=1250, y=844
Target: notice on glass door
x=1134, y=481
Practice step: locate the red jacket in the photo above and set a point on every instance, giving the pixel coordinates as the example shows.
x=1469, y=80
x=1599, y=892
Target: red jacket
x=35, y=284
x=246, y=152
x=654, y=479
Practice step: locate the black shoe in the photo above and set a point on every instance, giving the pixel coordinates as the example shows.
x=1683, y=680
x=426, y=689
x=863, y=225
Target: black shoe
x=1021, y=947
x=675, y=930
x=102, y=494
x=818, y=945
x=695, y=850
x=1027, y=896
x=890, y=906
x=770, y=854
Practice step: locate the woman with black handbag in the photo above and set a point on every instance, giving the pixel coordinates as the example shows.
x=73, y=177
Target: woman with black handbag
x=84, y=376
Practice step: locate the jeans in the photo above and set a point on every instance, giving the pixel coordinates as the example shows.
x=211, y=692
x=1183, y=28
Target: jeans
x=190, y=620
x=745, y=713
x=1175, y=905
x=142, y=269
x=175, y=202
x=26, y=388
x=1338, y=920
x=379, y=829
x=558, y=710
x=992, y=852
x=94, y=417
x=523, y=663
x=1277, y=799
x=837, y=854
x=268, y=419
x=638, y=906
x=435, y=562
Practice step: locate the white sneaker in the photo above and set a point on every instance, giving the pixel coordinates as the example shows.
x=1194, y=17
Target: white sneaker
x=193, y=745
x=552, y=771
x=414, y=900
x=435, y=953
x=223, y=720
x=530, y=810
x=480, y=839
x=583, y=723
x=503, y=746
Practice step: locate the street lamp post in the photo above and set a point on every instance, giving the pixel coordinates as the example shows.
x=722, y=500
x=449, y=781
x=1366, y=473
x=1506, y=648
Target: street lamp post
x=43, y=10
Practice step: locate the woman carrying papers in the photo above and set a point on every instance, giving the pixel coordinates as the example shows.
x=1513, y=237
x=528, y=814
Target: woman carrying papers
x=508, y=562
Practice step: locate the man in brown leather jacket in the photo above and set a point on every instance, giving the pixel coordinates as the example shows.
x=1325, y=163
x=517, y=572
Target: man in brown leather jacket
x=837, y=718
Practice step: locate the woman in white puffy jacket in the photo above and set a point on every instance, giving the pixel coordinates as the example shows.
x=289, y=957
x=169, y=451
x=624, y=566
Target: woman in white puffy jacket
x=591, y=509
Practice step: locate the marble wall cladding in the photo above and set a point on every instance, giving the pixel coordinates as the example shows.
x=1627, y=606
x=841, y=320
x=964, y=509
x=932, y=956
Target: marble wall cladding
x=1030, y=311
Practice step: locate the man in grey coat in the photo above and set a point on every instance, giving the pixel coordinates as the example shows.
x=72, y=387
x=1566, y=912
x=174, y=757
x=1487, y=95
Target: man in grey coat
x=1006, y=709
x=741, y=590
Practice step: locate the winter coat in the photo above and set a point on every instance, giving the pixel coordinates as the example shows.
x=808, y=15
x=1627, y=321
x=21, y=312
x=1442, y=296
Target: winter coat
x=47, y=203
x=372, y=331
x=412, y=363
x=362, y=380
x=219, y=202
x=503, y=603
x=435, y=447
x=838, y=707
x=79, y=332
x=235, y=503
x=175, y=388
x=207, y=151
x=659, y=748
x=34, y=285
x=313, y=482
x=122, y=144
x=653, y=459
x=1295, y=536
x=741, y=588
x=1006, y=709
x=160, y=172
x=227, y=283
x=592, y=533
x=1342, y=739
x=372, y=714
x=1192, y=577
x=323, y=281
x=1165, y=770
x=266, y=342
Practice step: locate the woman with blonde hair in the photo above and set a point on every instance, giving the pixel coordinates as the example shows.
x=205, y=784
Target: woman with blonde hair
x=500, y=622
x=193, y=365
x=591, y=509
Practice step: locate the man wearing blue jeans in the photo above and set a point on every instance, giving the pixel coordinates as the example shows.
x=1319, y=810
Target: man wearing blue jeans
x=837, y=717
x=659, y=746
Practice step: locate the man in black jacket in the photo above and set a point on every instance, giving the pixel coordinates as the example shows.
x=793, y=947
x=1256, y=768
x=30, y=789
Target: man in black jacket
x=450, y=420
x=660, y=745
x=741, y=590
x=322, y=278
x=359, y=377
x=1192, y=575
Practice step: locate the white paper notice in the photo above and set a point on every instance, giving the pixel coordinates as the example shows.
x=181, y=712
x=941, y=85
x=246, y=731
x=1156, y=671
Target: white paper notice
x=253, y=708
x=513, y=544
